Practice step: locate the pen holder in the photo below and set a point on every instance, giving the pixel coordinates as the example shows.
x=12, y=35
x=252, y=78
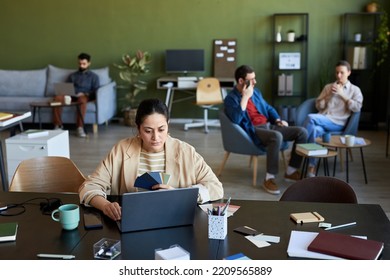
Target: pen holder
x=217, y=226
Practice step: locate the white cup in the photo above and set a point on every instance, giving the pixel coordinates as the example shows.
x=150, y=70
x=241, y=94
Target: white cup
x=67, y=99
x=349, y=140
x=358, y=37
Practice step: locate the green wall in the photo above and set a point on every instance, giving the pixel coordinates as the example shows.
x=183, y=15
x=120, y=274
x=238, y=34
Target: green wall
x=35, y=33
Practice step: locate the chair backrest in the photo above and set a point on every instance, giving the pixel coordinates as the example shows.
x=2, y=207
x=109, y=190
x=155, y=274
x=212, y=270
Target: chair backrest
x=208, y=92
x=235, y=139
x=320, y=189
x=309, y=106
x=47, y=174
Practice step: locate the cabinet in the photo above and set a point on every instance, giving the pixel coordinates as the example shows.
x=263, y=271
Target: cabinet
x=20, y=147
x=359, y=33
x=289, y=62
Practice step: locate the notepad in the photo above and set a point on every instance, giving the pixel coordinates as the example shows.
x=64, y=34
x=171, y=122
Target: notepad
x=8, y=231
x=33, y=133
x=4, y=116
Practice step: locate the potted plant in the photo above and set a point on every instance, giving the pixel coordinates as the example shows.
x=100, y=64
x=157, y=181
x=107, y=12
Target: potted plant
x=381, y=42
x=372, y=7
x=133, y=67
x=291, y=35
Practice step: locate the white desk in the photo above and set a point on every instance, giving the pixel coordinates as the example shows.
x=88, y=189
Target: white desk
x=20, y=147
x=171, y=83
x=4, y=125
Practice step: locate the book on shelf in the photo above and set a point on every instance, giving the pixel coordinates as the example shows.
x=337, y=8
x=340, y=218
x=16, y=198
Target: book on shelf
x=346, y=246
x=312, y=149
x=32, y=133
x=8, y=231
x=357, y=57
x=4, y=116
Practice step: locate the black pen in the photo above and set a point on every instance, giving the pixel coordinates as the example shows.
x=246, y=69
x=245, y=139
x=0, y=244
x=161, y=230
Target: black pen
x=226, y=206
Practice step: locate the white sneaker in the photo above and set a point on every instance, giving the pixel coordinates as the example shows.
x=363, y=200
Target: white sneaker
x=58, y=127
x=81, y=132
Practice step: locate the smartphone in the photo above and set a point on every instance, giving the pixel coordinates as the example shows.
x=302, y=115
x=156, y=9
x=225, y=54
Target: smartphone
x=248, y=83
x=92, y=220
x=3, y=206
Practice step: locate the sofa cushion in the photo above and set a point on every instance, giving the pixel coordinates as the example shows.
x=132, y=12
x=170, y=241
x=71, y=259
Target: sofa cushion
x=23, y=82
x=59, y=75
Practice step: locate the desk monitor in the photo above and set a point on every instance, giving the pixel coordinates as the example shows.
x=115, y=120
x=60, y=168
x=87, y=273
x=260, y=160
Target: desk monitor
x=158, y=209
x=184, y=61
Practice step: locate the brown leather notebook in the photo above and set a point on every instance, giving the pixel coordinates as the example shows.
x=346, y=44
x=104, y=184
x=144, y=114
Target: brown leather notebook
x=346, y=246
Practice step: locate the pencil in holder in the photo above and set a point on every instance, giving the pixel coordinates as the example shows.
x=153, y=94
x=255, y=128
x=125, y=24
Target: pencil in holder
x=217, y=226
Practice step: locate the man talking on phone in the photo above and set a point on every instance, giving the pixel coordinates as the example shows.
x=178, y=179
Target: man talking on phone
x=245, y=106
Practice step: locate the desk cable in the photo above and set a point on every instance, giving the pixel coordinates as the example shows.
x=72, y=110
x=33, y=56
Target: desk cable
x=19, y=208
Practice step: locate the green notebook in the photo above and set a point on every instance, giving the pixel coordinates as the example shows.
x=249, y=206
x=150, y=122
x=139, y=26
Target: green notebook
x=8, y=231
x=312, y=149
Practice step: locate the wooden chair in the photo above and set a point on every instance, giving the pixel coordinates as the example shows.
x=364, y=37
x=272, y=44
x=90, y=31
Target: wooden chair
x=47, y=174
x=320, y=189
x=208, y=94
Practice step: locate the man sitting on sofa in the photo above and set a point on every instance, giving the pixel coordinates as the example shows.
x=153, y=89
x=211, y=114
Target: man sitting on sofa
x=85, y=83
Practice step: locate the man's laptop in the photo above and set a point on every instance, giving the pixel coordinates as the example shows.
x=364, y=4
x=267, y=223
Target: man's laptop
x=158, y=209
x=64, y=89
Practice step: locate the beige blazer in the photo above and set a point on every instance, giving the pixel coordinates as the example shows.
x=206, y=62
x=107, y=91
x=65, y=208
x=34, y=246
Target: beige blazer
x=116, y=174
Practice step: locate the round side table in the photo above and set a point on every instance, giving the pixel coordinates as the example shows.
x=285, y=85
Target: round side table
x=337, y=143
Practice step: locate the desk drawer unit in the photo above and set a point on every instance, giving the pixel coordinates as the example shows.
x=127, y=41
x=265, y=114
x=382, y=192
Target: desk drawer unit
x=20, y=147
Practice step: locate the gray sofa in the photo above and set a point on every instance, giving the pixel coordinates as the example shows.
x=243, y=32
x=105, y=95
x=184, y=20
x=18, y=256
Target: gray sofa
x=18, y=88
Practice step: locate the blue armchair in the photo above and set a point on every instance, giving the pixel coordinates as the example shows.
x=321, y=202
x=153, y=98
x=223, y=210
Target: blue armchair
x=308, y=107
x=351, y=127
x=236, y=140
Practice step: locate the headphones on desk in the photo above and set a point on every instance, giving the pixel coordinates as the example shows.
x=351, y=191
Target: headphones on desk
x=49, y=206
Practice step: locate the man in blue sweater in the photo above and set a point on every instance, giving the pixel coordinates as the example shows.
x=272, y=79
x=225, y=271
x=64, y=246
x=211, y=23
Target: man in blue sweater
x=245, y=106
x=86, y=84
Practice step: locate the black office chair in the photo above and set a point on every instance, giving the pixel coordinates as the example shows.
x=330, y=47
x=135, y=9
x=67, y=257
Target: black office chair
x=320, y=189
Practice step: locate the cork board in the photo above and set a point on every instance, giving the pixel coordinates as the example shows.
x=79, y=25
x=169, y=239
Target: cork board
x=225, y=53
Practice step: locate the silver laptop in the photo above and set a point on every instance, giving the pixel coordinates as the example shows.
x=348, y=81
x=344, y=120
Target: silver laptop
x=64, y=89
x=158, y=209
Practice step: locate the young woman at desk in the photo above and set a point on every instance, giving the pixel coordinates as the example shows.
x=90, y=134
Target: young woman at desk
x=131, y=157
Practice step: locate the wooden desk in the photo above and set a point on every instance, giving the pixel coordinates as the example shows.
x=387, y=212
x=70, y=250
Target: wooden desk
x=4, y=125
x=272, y=218
x=38, y=233
x=170, y=84
x=335, y=143
x=39, y=105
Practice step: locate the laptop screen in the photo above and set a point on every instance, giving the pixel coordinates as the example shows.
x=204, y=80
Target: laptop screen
x=158, y=209
x=64, y=89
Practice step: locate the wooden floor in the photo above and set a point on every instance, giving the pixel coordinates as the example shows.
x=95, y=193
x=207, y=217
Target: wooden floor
x=237, y=176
